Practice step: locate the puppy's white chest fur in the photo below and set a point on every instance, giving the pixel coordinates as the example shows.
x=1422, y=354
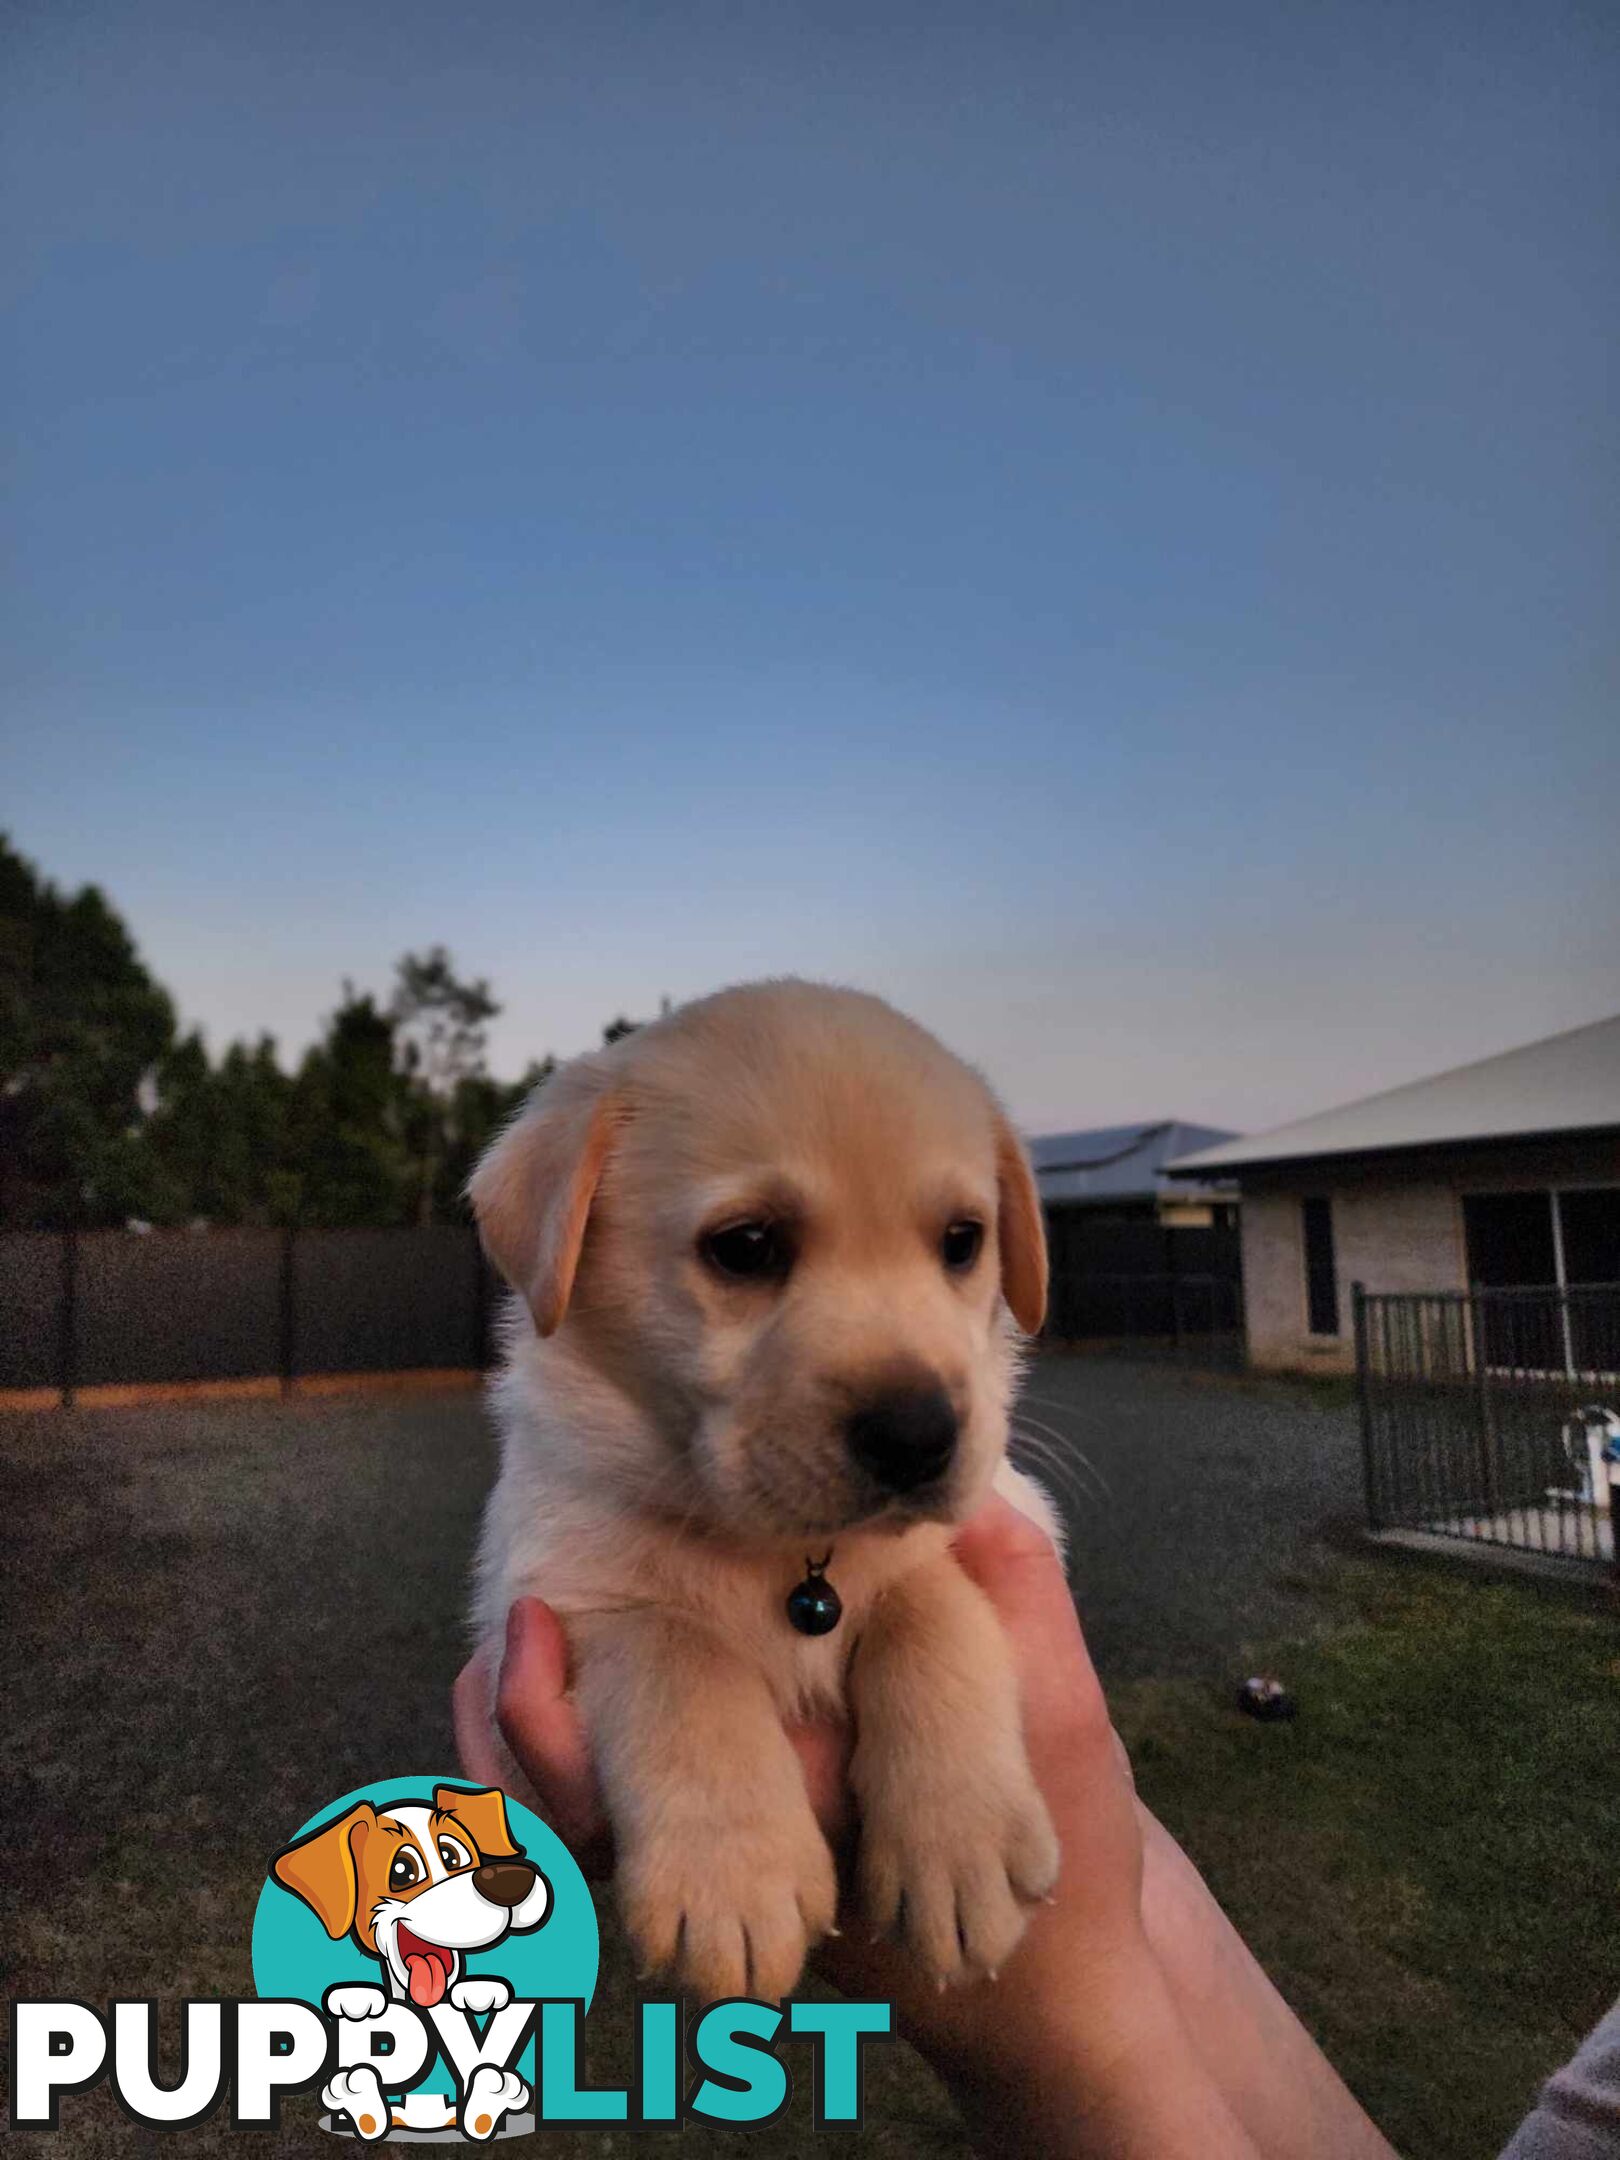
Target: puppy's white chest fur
x=551, y=1533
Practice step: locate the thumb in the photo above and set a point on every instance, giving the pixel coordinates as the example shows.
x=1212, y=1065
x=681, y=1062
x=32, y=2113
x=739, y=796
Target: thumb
x=1016, y=1565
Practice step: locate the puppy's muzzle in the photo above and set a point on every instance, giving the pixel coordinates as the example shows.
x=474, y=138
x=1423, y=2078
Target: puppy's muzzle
x=504, y=1882
x=904, y=1440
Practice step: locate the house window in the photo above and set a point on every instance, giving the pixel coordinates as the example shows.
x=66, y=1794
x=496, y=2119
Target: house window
x=1321, y=1268
x=1590, y=1224
x=1559, y=1242
x=1543, y=1240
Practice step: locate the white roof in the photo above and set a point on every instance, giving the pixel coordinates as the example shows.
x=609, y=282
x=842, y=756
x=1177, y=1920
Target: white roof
x=1566, y=1083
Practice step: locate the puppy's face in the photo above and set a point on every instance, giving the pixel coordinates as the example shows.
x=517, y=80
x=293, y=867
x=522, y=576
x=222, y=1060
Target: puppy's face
x=804, y=1224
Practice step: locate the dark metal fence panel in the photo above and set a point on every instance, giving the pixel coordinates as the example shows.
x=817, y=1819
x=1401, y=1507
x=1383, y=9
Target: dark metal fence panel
x=1173, y=1308
x=1140, y=1280
x=131, y=1308
x=31, y=1301
x=1479, y=1413
x=175, y=1305
x=386, y=1300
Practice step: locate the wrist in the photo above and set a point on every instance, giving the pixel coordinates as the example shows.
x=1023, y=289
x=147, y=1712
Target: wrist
x=1107, y=2070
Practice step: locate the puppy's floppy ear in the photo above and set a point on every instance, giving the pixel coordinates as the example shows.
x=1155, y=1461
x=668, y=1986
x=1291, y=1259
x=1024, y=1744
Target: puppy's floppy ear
x=483, y=1816
x=532, y=1192
x=1020, y=1231
x=321, y=1870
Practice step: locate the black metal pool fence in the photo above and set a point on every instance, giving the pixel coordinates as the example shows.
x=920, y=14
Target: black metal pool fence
x=1493, y=1416
x=96, y=1308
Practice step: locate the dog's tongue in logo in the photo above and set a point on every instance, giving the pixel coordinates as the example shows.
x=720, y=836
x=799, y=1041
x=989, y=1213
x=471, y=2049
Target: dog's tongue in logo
x=427, y=1969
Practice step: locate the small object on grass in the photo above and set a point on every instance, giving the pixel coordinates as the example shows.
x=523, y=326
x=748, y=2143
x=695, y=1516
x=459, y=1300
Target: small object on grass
x=1264, y=1698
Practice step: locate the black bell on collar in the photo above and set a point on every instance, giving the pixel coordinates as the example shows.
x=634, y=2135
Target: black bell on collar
x=814, y=1606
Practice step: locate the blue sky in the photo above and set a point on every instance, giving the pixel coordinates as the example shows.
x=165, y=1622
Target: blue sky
x=1095, y=522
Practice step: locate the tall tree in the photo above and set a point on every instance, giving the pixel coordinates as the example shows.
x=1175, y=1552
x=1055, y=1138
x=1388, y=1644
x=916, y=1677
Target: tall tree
x=345, y=1124
x=441, y=1029
x=107, y=1114
x=83, y=1027
x=217, y=1136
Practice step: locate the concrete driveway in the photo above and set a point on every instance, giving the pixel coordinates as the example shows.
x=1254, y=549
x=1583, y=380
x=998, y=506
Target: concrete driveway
x=1191, y=1499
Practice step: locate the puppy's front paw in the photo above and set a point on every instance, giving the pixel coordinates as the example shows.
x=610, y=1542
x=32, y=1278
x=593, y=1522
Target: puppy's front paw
x=358, y=2094
x=731, y=1908
x=952, y=1854
x=479, y=1995
x=491, y=2095
x=355, y=2000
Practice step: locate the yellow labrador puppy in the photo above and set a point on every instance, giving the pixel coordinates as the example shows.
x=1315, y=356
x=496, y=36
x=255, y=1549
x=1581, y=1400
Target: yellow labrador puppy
x=772, y=1250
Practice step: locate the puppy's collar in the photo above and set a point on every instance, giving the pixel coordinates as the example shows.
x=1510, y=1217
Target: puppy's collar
x=814, y=1606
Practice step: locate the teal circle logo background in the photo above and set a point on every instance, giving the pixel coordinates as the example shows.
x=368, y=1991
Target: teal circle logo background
x=294, y=1956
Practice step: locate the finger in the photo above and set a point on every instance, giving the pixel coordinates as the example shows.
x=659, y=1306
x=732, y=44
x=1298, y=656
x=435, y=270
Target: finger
x=475, y=1739
x=823, y=1751
x=541, y=1726
x=1017, y=1566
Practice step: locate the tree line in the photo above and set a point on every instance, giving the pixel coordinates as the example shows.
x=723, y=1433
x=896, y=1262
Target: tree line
x=110, y=1114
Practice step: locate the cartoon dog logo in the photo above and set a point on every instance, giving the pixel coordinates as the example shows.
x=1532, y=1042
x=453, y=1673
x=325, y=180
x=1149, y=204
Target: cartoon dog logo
x=418, y=1888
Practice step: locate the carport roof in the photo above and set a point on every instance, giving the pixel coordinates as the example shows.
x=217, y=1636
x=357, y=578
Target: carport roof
x=1563, y=1084
x=1116, y=1162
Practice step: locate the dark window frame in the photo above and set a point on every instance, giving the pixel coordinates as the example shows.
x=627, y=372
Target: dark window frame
x=1568, y=1239
x=1317, y=1244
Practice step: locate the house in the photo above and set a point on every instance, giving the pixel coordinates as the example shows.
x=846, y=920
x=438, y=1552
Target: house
x=1119, y=1171
x=1503, y=1174
x=1133, y=1252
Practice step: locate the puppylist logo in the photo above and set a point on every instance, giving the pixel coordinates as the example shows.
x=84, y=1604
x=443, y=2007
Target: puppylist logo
x=425, y=1953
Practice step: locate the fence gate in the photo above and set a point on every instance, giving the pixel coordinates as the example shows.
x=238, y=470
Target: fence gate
x=1489, y=1415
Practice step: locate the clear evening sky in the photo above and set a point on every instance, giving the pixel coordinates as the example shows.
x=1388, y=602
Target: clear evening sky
x=1096, y=522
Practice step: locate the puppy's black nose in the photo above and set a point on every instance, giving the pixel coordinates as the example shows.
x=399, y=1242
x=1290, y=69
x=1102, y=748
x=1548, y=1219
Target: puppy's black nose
x=504, y=1882
x=905, y=1439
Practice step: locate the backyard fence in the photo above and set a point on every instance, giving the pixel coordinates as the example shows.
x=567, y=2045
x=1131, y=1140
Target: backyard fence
x=121, y=1308
x=1489, y=1416
x=85, y=1309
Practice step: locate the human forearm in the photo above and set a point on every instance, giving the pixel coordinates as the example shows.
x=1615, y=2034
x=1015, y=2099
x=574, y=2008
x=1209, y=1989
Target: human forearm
x=1172, y=2042
x=1275, y=2079
x=1068, y=2078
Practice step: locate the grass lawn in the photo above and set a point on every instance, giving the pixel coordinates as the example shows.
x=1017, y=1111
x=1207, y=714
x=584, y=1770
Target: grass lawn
x=1428, y=1860
x=222, y=1617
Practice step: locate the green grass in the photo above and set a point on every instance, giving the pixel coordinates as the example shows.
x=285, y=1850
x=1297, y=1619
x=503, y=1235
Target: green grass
x=1426, y=1861
x=224, y=1616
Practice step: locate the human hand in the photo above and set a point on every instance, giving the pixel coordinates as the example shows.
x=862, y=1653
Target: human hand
x=1131, y=2019
x=1095, y=1929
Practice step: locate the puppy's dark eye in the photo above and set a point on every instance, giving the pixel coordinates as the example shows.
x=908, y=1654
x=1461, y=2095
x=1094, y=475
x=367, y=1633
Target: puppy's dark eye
x=746, y=1251
x=961, y=1245
x=407, y=1869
